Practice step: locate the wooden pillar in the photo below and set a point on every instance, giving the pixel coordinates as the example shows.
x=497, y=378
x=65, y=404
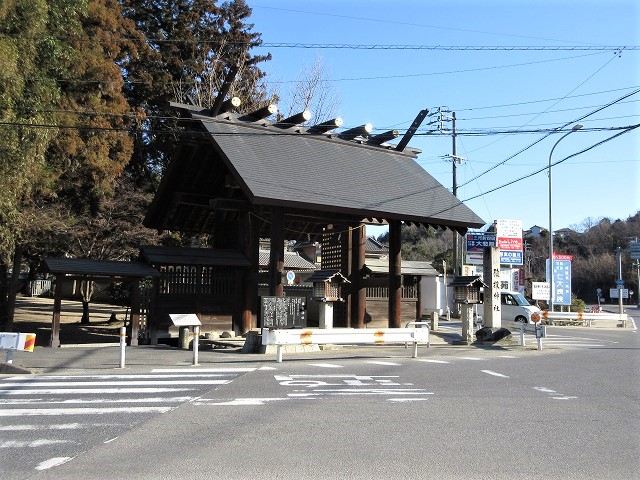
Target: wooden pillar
x=57, y=309
x=152, y=313
x=395, y=277
x=135, y=312
x=248, y=239
x=419, y=299
x=358, y=292
x=276, y=257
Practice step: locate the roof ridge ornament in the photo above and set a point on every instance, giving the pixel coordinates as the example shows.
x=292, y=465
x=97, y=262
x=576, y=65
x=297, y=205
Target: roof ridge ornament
x=327, y=126
x=359, y=131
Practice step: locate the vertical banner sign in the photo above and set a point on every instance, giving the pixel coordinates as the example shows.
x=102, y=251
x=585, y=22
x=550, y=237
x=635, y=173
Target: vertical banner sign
x=476, y=243
x=509, y=237
x=518, y=280
x=561, y=279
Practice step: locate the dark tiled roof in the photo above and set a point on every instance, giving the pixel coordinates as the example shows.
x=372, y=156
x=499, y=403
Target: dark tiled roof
x=313, y=171
x=292, y=261
x=193, y=256
x=232, y=165
x=373, y=246
x=97, y=268
x=408, y=267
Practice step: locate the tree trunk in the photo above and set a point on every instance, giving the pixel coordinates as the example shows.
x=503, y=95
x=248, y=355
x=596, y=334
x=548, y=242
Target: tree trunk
x=4, y=298
x=14, y=285
x=85, y=313
x=86, y=290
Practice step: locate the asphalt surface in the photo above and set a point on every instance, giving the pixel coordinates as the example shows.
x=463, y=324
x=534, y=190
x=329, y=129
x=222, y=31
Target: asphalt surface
x=101, y=357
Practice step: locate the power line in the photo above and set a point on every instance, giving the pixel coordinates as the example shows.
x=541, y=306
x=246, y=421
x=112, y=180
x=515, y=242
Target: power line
x=559, y=129
x=624, y=131
x=448, y=48
x=350, y=46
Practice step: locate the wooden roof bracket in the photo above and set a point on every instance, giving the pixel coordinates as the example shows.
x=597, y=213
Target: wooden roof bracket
x=412, y=130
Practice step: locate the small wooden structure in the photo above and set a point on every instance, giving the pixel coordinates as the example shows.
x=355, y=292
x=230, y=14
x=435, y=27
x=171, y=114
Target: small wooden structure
x=466, y=289
x=81, y=269
x=327, y=285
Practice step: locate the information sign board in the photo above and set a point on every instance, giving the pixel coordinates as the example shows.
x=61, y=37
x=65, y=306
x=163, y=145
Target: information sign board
x=613, y=292
x=509, y=238
x=476, y=243
x=283, y=312
x=184, y=319
x=561, y=281
x=540, y=291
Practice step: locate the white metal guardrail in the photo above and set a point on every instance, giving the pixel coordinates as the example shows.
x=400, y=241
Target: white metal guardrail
x=344, y=336
x=586, y=319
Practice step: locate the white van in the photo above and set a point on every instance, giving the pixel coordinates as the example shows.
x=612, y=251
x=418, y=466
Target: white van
x=515, y=308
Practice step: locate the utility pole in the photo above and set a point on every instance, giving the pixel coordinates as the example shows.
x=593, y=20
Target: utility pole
x=455, y=159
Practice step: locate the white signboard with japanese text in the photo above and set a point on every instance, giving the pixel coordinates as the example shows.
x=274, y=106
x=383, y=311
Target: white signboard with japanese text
x=509, y=241
x=540, y=291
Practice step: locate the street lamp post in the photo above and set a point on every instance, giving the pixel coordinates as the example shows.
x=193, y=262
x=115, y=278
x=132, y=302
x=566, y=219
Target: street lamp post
x=573, y=129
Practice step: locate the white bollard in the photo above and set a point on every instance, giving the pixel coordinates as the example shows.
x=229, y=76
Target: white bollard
x=9, y=356
x=278, y=353
x=522, y=342
x=196, y=337
x=539, y=333
x=123, y=344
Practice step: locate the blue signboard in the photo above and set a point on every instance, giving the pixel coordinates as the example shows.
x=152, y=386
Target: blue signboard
x=476, y=242
x=561, y=281
x=513, y=257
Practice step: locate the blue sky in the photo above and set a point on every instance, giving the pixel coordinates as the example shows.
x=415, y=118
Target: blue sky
x=491, y=88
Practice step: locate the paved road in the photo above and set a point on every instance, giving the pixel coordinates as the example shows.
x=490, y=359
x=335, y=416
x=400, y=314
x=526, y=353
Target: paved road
x=456, y=412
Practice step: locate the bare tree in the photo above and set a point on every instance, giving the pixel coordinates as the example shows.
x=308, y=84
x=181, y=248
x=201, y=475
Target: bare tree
x=314, y=91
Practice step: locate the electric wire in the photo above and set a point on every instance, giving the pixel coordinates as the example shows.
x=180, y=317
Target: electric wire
x=608, y=139
x=559, y=129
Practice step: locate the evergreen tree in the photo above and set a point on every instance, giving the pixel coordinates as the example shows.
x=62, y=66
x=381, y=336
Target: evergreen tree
x=193, y=45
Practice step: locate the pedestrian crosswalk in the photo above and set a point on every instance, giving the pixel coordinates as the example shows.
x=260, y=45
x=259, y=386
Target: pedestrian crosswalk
x=63, y=415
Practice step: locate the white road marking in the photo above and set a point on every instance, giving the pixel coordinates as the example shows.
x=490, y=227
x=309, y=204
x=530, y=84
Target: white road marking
x=79, y=411
x=564, y=397
x=382, y=363
x=544, y=389
x=53, y=426
x=41, y=442
x=326, y=365
x=432, y=361
x=69, y=401
x=52, y=462
x=31, y=380
x=67, y=391
x=114, y=383
x=267, y=368
x=238, y=401
x=205, y=370
x=495, y=374
x=405, y=400
x=470, y=358
x=372, y=391
x=507, y=356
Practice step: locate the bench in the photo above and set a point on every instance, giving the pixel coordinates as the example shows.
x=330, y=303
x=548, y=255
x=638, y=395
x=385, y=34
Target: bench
x=344, y=336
